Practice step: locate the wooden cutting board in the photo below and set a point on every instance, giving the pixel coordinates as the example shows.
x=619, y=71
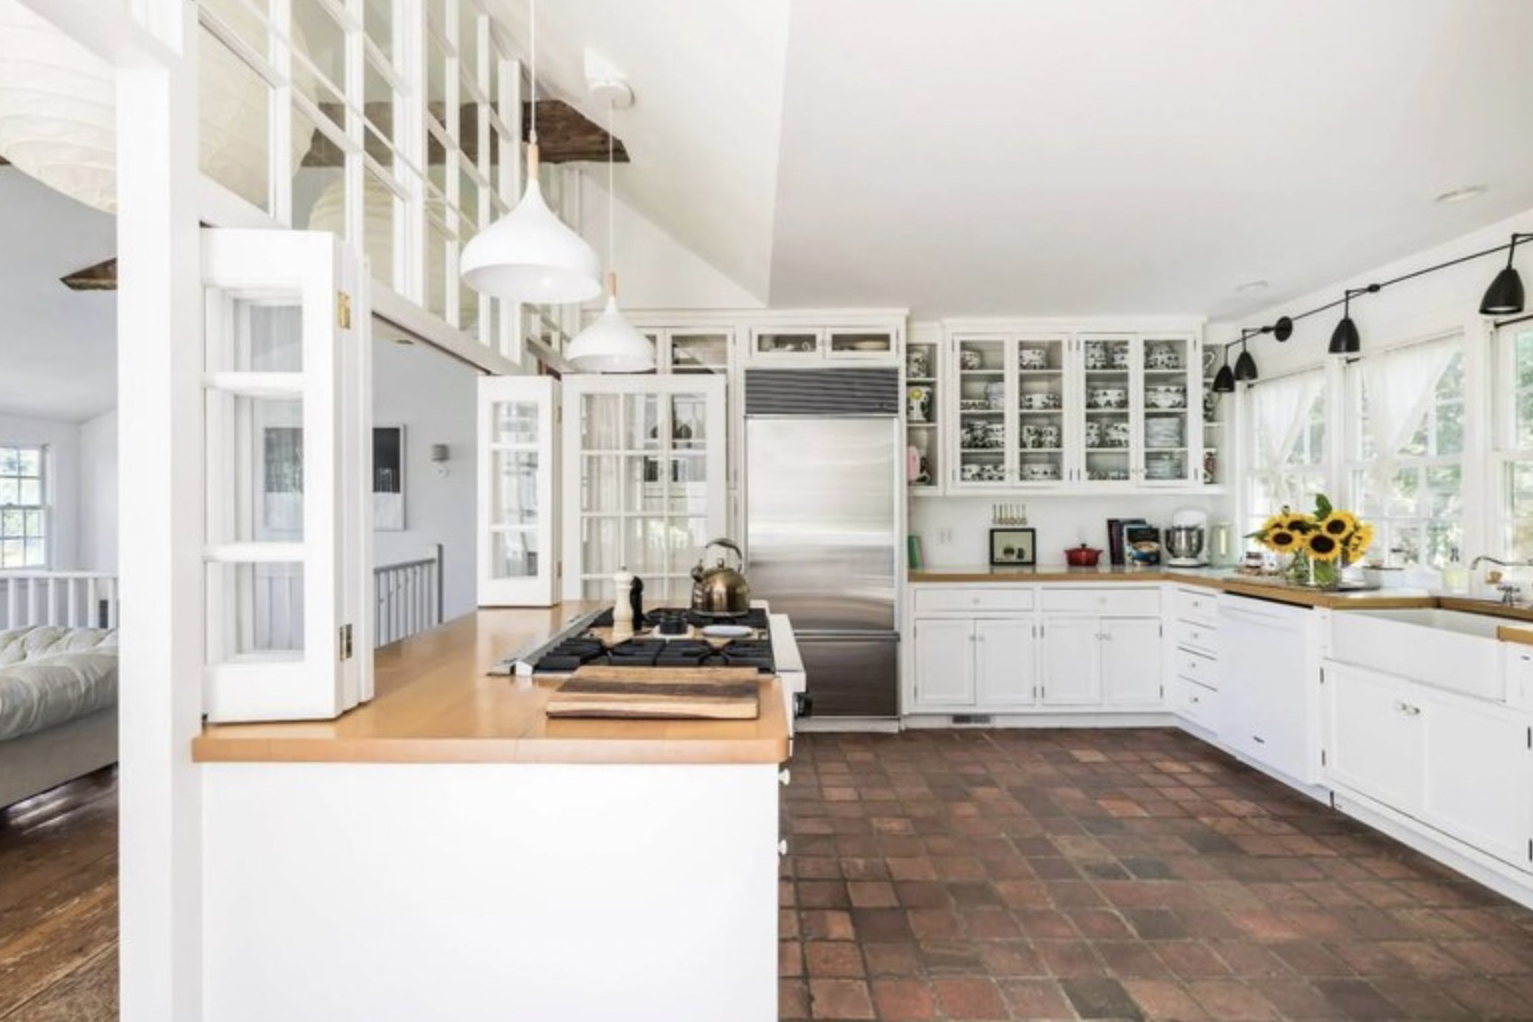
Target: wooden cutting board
x=691, y=693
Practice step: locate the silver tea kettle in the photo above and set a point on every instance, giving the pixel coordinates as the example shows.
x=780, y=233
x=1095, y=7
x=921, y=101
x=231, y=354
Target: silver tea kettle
x=720, y=591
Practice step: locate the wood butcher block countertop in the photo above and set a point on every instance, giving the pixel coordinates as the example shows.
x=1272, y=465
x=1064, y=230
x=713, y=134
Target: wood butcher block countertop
x=434, y=703
x=1265, y=588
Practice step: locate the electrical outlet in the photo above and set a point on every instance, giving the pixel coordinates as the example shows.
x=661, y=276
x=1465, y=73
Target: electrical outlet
x=944, y=536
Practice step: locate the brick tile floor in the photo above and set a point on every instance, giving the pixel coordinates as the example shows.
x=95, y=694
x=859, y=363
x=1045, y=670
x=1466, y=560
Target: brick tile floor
x=1122, y=874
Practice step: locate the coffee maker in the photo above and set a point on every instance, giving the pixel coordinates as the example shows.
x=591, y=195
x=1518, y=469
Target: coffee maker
x=1186, y=539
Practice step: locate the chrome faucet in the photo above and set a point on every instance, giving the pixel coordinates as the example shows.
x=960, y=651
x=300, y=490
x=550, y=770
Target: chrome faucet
x=1475, y=564
x=1508, y=594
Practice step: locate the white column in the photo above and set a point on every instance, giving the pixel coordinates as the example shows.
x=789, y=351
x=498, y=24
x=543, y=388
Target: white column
x=160, y=423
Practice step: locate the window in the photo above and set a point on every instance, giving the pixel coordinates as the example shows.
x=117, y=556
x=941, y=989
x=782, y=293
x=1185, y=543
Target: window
x=1515, y=525
x=1287, y=445
x=23, y=513
x=1408, y=468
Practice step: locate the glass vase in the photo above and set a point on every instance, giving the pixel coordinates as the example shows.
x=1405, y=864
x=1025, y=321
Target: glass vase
x=1313, y=573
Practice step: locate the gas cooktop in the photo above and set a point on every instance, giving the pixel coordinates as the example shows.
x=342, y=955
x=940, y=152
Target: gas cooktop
x=653, y=648
x=659, y=617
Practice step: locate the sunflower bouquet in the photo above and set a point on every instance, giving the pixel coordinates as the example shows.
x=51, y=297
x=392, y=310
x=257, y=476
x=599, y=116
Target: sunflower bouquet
x=1321, y=544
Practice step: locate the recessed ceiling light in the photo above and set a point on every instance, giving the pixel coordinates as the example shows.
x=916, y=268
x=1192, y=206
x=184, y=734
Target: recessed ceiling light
x=1461, y=194
x=1252, y=285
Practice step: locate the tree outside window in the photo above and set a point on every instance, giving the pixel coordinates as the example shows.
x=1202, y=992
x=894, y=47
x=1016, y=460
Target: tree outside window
x=23, y=510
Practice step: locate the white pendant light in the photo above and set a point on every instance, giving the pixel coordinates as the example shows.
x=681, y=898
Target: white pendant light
x=611, y=345
x=530, y=255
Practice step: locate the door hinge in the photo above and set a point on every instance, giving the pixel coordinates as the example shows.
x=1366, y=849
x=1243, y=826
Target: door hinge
x=1530, y=849
x=345, y=643
x=1530, y=737
x=1322, y=757
x=343, y=310
x=1322, y=675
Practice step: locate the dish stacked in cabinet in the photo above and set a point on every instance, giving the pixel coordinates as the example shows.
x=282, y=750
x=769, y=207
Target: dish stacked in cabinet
x=1194, y=653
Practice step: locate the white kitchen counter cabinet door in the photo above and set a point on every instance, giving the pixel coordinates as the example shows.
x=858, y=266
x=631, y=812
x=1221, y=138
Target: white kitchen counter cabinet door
x=645, y=484
x=1373, y=739
x=1131, y=661
x=1072, y=672
x=518, y=473
x=1005, y=663
x=288, y=579
x=945, y=658
x=1478, y=770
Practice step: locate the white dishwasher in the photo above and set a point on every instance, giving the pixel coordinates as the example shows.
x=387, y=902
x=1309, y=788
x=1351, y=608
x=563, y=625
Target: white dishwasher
x=1264, y=699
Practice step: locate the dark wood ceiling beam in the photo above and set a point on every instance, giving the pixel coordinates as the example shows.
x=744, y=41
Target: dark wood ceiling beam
x=565, y=135
x=101, y=277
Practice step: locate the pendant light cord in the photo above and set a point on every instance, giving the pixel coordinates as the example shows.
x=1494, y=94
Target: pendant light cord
x=611, y=205
x=532, y=46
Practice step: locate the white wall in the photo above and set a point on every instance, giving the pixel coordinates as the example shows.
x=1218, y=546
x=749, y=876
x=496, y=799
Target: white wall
x=433, y=397
x=63, y=442
x=1060, y=522
x=655, y=271
x=98, y=492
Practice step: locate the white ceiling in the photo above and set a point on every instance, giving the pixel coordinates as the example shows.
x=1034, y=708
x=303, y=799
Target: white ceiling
x=1059, y=156
x=58, y=348
x=1106, y=156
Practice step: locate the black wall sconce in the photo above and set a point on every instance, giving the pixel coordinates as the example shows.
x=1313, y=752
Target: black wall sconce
x=1245, y=365
x=1224, y=379
x=1345, y=339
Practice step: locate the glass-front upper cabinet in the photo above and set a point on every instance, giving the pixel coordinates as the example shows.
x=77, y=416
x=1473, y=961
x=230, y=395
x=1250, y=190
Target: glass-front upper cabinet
x=518, y=466
x=1008, y=399
x=288, y=618
x=815, y=343
x=645, y=487
x=1140, y=397
x=922, y=413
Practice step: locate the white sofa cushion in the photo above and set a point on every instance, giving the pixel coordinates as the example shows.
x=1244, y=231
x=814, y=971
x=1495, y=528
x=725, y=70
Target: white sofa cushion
x=50, y=674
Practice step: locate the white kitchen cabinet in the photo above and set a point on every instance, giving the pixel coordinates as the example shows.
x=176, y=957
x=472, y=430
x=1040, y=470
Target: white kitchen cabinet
x=1477, y=766
x=924, y=404
x=1462, y=766
x=1371, y=741
x=518, y=472
x=1130, y=657
x=644, y=484
x=1004, y=663
x=799, y=344
x=1265, y=704
x=944, y=660
x=1074, y=410
x=983, y=664
x=1072, y=661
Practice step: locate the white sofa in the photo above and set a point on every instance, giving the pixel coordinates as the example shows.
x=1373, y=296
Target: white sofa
x=58, y=706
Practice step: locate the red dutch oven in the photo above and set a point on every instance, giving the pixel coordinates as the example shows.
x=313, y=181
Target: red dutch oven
x=1082, y=556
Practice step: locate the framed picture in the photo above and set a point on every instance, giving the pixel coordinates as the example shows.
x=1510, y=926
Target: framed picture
x=389, y=478
x=1013, y=546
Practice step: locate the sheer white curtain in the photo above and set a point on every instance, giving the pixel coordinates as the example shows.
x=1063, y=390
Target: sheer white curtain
x=1280, y=413
x=1399, y=385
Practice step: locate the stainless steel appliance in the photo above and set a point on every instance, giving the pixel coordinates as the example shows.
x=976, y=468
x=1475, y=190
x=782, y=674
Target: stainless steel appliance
x=823, y=459
x=720, y=591
x=1185, y=539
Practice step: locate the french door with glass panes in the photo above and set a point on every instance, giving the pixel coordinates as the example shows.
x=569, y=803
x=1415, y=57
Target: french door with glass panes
x=644, y=481
x=518, y=466
x=288, y=541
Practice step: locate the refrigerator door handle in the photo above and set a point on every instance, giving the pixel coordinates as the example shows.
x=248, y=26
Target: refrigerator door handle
x=844, y=635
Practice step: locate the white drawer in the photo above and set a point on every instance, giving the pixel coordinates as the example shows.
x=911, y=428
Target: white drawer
x=1197, y=605
x=1195, y=667
x=1203, y=638
x=1195, y=702
x=1112, y=602
x=959, y=599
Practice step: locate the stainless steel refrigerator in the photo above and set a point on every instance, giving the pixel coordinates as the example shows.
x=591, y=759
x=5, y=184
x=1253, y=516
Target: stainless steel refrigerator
x=823, y=527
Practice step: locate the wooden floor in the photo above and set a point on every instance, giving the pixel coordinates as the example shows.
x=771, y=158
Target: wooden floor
x=58, y=904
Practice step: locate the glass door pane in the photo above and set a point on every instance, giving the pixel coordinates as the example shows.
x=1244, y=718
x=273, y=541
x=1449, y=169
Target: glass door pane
x=1041, y=431
x=981, y=411
x=1165, y=401
x=699, y=353
x=1105, y=399
x=517, y=462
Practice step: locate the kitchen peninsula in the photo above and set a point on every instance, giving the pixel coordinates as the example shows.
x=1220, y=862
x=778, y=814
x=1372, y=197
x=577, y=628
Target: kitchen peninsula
x=448, y=851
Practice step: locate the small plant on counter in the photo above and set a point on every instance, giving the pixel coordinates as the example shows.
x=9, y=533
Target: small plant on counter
x=1320, y=544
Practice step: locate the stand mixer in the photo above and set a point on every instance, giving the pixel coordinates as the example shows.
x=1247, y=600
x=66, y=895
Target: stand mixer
x=1186, y=538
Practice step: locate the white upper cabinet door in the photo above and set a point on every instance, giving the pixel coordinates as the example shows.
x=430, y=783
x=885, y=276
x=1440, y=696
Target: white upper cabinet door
x=288, y=544
x=1005, y=663
x=644, y=488
x=944, y=662
x=1373, y=736
x=1072, y=670
x=518, y=470
x=1131, y=662
x=1479, y=773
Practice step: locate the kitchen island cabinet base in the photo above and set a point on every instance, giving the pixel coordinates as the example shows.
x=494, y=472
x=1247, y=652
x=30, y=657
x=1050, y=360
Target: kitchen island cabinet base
x=489, y=891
